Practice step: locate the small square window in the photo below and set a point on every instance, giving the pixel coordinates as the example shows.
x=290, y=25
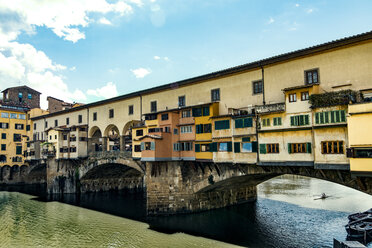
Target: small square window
x=3, y=147
x=111, y=113
x=292, y=97
x=257, y=87
x=215, y=95
x=312, y=76
x=130, y=110
x=181, y=101
x=3, y=135
x=164, y=117
x=304, y=96
x=94, y=116
x=29, y=96
x=67, y=121
x=80, y=118
x=55, y=123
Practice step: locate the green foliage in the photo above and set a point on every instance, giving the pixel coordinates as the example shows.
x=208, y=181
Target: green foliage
x=343, y=97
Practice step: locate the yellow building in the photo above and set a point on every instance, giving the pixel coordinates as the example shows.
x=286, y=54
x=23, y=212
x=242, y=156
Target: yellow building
x=137, y=133
x=203, y=130
x=14, y=128
x=360, y=137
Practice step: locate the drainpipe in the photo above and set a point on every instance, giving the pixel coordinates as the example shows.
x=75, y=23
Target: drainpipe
x=140, y=106
x=263, y=85
x=87, y=131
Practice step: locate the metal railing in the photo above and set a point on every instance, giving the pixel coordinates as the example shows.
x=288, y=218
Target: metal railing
x=270, y=108
x=110, y=154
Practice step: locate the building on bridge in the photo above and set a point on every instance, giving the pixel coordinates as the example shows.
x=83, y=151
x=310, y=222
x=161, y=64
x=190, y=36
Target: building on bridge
x=291, y=129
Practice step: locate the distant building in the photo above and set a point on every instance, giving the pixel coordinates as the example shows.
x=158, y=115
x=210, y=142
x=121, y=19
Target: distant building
x=55, y=105
x=21, y=97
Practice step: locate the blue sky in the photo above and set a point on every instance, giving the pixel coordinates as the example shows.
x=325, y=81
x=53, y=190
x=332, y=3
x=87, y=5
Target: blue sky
x=86, y=50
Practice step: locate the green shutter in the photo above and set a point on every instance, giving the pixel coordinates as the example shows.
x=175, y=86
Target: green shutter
x=229, y=146
x=248, y=122
x=337, y=116
x=238, y=123
x=197, y=147
x=326, y=117
x=333, y=116
x=306, y=119
x=246, y=139
x=213, y=147
x=268, y=122
x=152, y=146
x=206, y=111
x=317, y=118
x=18, y=150
x=236, y=147
x=289, y=148
x=343, y=115
x=279, y=121
x=264, y=122
x=301, y=120
x=263, y=148
x=275, y=121
x=142, y=146
x=308, y=147
x=254, y=146
x=292, y=121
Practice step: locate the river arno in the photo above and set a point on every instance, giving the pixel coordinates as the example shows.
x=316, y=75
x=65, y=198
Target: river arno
x=285, y=215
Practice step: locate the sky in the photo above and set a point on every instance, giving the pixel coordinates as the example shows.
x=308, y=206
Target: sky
x=89, y=50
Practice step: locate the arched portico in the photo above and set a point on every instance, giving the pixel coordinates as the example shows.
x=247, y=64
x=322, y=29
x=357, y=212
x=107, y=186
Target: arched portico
x=95, y=139
x=126, y=137
x=111, y=138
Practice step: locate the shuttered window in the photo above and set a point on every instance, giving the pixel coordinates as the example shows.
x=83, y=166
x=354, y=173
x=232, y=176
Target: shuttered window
x=197, y=147
x=220, y=125
x=336, y=116
x=236, y=147
x=245, y=122
x=277, y=121
x=299, y=148
x=300, y=120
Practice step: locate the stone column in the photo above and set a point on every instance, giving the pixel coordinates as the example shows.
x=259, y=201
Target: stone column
x=105, y=144
x=122, y=143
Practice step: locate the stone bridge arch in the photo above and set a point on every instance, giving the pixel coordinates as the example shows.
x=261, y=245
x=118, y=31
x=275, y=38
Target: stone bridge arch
x=193, y=186
x=111, y=171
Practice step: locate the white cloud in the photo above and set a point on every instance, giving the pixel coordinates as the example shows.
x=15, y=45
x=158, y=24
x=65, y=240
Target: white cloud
x=166, y=58
x=107, y=91
x=297, y=5
x=73, y=68
x=271, y=20
x=156, y=57
x=159, y=58
x=309, y=11
x=103, y=20
x=139, y=3
x=63, y=17
x=141, y=72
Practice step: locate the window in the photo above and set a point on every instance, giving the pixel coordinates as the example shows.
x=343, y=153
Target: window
x=22, y=116
x=215, y=95
x=130, y=110
x=292, y=97
x=3, y=135
x=167, y=129
x=277, y=121
x=312, y=77
x=265, y=122
x=205, y=147
x=362, y=153
x=257, y=87
x=175, y=131
x=34, y=126
x=80, y=118
x=176, y=147
x=4, y=115
x=20, y=95
x=333, y=147
x=137, y=148
x=19, y=126
x=55, y=123
x=183, y=146
x=305, y=96
x=153, y=106
x=149, y=146
x=29, y=96
x=139, y=132
x=186, y=129
x=155, y=130
x=67, y=121
x=72, y=139
x=164, y=117
x=225, y=147
x=269, y=148
x=4, y=125
x=197, y=112
x=82, y=138
x=111, y=113
x=13, y=116
x=28, y=127
x=203, y=128
x=65, y=137
x=299, y=148
x=72, y=149
x=336, y=116
x=18, y=150
x=181, y=101
x=186, y=113
x=220, y=125
x=300, y=120
x=17, y=137
x=246, y=147
x=241, y=123
x=3, y=147
x=46, y=124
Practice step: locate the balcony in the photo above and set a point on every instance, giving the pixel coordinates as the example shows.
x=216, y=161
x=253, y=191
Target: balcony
x=48, y=153
x=270, y=108
x=334, y=98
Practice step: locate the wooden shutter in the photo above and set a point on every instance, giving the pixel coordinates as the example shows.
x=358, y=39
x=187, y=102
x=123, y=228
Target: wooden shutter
x=263, y=148
x=326, y=117
x=238, y=123
x=289, y=148
x=142, y=146
x=343, y=115
x=279, y=121
x=292, y=121
x=213, y=147
x=246, y=139
x=206, y=111
x=197, y=147
x=152, y=146
x=308, y=147
x=249, y=122
x=317, y=118
x=254, y=146
x=337, y=116
x=236, y=147
x=229, y=146
x=275, y=121
x=333, y=116
x=306, y=119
